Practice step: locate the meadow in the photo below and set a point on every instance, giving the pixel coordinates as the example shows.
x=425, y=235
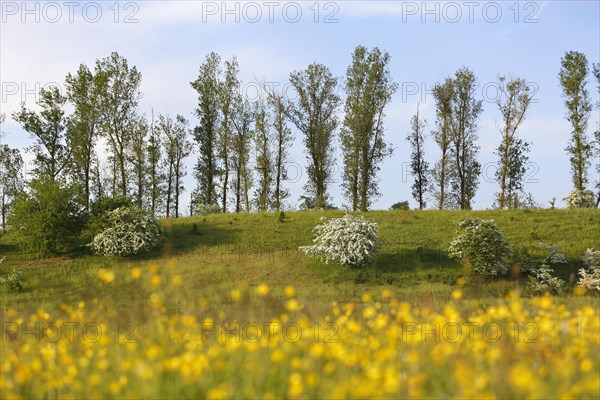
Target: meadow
x=229, y=308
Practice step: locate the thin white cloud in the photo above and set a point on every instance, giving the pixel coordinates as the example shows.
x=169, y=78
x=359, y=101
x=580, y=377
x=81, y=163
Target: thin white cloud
x=504, y=33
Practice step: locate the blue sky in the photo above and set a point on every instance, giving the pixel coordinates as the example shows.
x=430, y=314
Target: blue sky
x=427, y=41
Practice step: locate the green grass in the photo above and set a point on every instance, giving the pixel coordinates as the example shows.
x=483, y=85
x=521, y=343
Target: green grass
x=217, y=253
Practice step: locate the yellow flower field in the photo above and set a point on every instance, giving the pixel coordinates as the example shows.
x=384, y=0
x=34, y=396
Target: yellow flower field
x=377, y=346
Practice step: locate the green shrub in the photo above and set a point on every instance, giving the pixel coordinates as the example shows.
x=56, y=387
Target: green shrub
x=100, y=207
x=130, y=231
x=541, y=270
x=401, y=205
x=48, y=219
x=206, y=209
x=481, y=244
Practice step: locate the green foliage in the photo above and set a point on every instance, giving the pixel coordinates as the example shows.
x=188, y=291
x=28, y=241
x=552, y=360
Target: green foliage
x=542, y=269
x=228, y=91
x=349, y=240
x=206, y=134
x=597, y=152
x=99, y=210
x=100, y=207
x=48, y=130
x=369, y=89
x=442, y=170
x=314, y=114
x=572, y=76
x=155, y=168
x=206, y=209
x=264, y=159
x=311, y=203
x=177, y=147
x=137, y=158
x=48, y=219
x=513, y=102
x=401, y=205
x=13, y=280
x=482, y=245
x=241, y=140
x=119, y=87
x=130, y=231
x=82, y=128
x=11, y=179
x=463, y=138
x=419, y=167
x=532, y=258
x=283, y=141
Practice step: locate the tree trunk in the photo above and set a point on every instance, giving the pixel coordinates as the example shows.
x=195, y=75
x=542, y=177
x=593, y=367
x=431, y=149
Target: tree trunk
x=123, y=174
x=169, y=188
x=176, y=192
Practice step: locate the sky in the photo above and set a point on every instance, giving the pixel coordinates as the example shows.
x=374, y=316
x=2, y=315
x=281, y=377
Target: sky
x=40, y=42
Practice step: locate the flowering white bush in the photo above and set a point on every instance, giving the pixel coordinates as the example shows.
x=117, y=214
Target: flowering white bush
x=349, y=240
x=14, y=280
x=544, y=282
x=590, y=275
x=580, y=199
x=540, y=269
x=480, y=243
x=130, y=231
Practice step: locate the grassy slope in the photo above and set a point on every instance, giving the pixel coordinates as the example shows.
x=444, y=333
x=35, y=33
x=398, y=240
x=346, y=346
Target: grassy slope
x=221, y=252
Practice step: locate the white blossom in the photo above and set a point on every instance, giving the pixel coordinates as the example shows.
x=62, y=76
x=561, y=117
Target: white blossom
x=590, y=275
x=348, y=240
x=130, y=231
x=580, y=199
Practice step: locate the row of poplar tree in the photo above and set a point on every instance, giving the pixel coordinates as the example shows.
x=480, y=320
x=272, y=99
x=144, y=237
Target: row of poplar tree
x=230, y=125
x=244, y=145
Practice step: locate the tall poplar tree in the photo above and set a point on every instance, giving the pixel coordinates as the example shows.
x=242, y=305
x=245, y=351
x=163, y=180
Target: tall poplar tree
x=241, y=142
x=264, y=158
x=314, y=114
x=369, y=89
x=418, y=165
x=283, y=140
x=11, y=176
x=513, y=101
x=48, y=131
x=177, y=148
x=573, y=79
x=82, y=128
x=206, y=133
x=228, y=92
x=442, y=171
x=154, y=168
x=463, y=138
x=138, y=158
x=119, y=89
x=596, y=72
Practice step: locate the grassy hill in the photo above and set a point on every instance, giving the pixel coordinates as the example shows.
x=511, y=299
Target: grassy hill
x=229, y=308
x=218, y=253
